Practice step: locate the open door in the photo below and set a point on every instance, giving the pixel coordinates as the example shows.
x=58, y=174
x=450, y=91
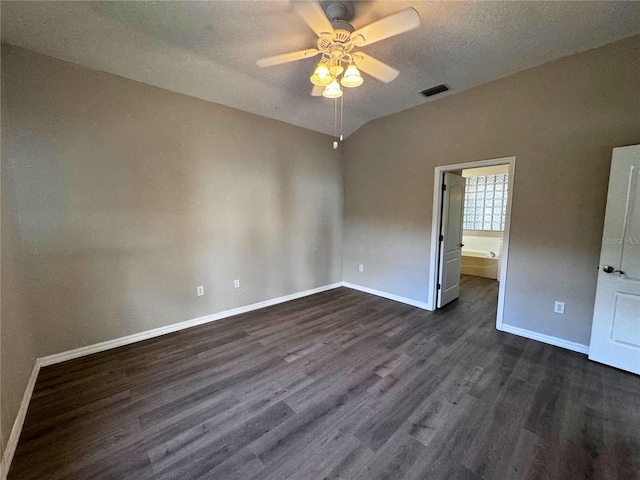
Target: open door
x=615, y=332
x=450, y=238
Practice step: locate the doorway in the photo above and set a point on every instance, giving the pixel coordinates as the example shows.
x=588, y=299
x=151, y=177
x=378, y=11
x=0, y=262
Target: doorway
x=485, y=238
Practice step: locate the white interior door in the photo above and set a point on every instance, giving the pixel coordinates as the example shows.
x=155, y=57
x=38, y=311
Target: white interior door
x=450, y=238
x=615, y=334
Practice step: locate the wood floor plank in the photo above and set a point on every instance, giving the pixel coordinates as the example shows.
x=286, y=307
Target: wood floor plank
x=341, y=385
x=490, y=454
x=356, y=459
x=243, y=465
x=394, y=460
x=200, y=450
x=441, y=459
x=292, y=437
x=441, y=405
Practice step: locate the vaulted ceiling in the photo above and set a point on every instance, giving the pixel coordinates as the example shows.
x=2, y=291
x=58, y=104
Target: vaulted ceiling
x=209, y=49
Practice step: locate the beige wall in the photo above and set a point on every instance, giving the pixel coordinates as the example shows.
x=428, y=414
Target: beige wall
x=561, y=120
x=17, y=341
x=130, y=196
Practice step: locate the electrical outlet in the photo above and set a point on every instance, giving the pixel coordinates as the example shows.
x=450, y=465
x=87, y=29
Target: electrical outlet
x=559, y=308
x=236, y=284
x=200, y=291
x=361, y=268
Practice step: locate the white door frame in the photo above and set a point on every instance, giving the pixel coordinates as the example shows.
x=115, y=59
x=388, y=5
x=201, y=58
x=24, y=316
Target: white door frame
x=435, y=228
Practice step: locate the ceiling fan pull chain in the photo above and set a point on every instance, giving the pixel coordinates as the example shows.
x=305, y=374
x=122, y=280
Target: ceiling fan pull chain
x=335, y=122
x=335, y=118
x=341, y=117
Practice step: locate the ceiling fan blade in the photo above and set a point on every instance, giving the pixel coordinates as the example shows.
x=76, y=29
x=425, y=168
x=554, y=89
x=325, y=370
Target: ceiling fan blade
x=375, y=68
x=316, y=91
x=313, y=15
x=386, y=27
x=287, y=57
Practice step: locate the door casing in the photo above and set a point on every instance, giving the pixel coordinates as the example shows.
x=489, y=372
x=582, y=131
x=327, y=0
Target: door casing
x=434, y=255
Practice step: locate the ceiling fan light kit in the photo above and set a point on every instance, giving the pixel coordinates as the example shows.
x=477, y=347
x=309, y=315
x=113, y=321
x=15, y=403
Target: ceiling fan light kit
x=336, y=40
x=328, y=77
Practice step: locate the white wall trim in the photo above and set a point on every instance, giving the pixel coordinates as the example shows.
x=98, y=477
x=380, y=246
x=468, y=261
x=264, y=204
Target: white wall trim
x=390, y=296
x=435, y=229
x=14, y=436
x=156, y=332
x=541, y=337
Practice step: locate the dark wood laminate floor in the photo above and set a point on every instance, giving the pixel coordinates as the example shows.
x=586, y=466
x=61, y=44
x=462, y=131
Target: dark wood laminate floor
x=339, y=385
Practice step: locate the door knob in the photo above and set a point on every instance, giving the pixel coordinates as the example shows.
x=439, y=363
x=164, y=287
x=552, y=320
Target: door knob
x=610, y=269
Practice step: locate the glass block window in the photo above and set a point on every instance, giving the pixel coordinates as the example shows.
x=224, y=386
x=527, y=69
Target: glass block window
x=485, y=202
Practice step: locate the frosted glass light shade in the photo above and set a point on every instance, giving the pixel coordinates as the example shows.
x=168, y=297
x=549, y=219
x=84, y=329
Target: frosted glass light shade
x=352, y=77
x=332, y=90
x=321, y=76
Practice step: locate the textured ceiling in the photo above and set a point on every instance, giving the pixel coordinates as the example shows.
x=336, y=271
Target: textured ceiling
x=209, y=49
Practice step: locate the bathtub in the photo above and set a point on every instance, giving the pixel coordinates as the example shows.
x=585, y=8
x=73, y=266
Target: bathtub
x=479, y=264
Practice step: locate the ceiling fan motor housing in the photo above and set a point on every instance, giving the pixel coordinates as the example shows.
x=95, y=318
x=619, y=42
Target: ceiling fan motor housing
x=342, y=10
x=342, y=26
x=339, y=15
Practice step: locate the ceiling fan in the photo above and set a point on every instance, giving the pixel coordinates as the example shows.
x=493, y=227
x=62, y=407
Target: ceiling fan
x=337, y=41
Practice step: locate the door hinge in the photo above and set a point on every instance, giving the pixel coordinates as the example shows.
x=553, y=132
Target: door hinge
x=438, y=286
x=444, y=187
x=441, y=238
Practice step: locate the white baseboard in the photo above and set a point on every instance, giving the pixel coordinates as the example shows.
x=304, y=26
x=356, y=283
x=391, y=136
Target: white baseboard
x=156, y=332
x=541, y=337
x=14, y=436
x=390, y=296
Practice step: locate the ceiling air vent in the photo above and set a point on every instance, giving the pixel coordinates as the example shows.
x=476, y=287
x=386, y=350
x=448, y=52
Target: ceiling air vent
x=430, y=92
